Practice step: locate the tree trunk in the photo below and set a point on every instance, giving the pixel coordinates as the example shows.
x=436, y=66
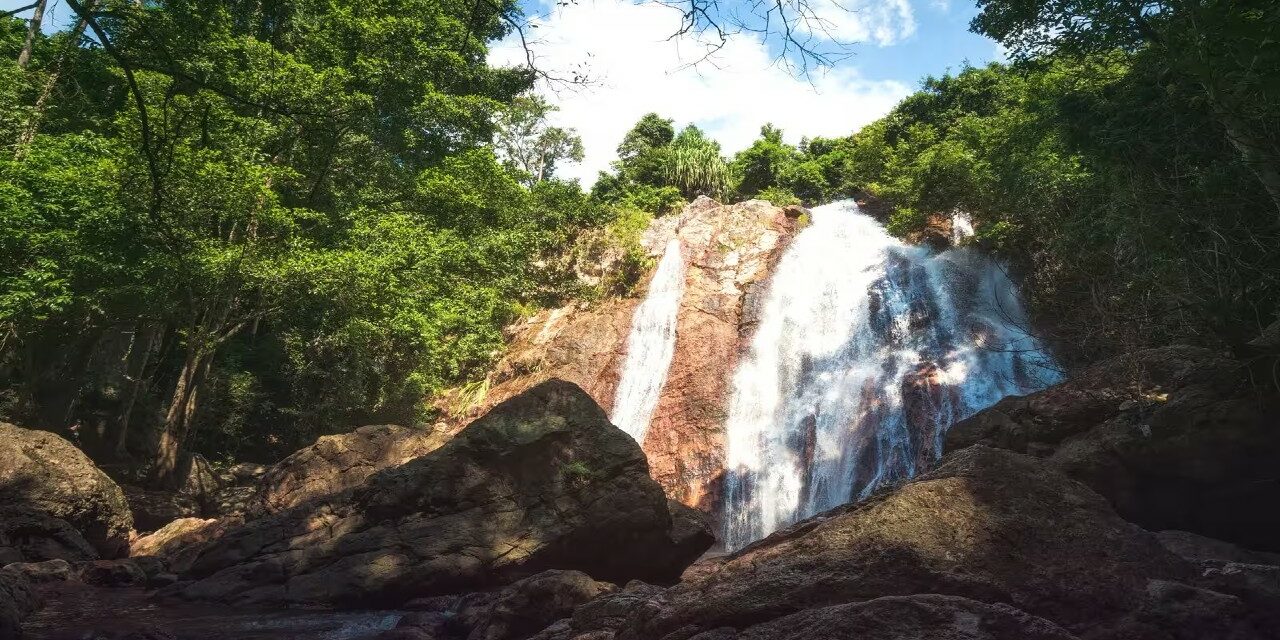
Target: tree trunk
x=24, y=57
x=136, y=370
x=213, y=327
x=177, y=420
x=46, y=92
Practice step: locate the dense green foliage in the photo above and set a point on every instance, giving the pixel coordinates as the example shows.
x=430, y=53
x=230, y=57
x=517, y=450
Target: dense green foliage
x=658, y=171
x=1125, y=166
x=243, y=224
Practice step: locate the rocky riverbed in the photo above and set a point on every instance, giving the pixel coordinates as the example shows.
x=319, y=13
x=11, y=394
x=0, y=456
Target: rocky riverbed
x=540, y=521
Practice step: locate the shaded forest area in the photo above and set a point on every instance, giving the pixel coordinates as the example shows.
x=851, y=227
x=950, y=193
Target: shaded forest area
x=229, y=227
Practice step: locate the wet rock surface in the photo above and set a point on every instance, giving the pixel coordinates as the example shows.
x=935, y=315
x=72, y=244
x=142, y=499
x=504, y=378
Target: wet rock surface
x=541, y=482
x=1174, y=437
x=45, y=478
x=731, y=251
x=75, y=611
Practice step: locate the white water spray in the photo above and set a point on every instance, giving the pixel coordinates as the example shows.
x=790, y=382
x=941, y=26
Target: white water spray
x=867, y=351
x=650, y=345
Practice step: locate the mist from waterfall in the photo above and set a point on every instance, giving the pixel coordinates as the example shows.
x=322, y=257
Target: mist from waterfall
x=867, y=350
x=650, y=346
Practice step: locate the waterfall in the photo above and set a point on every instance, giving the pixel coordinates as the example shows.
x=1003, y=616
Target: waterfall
x=866, y=352
x=650, y=345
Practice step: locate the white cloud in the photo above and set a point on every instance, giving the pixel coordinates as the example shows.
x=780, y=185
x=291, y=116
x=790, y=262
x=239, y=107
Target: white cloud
x=882, y=22
x=637, y=70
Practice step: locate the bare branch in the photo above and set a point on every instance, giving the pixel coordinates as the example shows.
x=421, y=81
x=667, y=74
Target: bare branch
x=15, y=12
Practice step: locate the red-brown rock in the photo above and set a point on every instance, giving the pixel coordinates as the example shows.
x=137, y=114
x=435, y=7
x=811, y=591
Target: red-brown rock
x=729, y=251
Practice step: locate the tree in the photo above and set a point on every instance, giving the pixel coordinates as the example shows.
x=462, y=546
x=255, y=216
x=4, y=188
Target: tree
x=531, y=146
x=694, y=165
x=33, y=32
x=760, y=166
x=1230, y=47
x=642, y=153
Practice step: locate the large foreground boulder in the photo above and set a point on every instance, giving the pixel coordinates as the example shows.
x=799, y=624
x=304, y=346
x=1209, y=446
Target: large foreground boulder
x=991, y=544
x=44, y=474
x=1174, y=437
x=340, y=462
x=543, y=481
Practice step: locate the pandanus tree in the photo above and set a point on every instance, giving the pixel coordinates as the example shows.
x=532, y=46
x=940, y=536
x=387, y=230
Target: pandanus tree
x=694, y=165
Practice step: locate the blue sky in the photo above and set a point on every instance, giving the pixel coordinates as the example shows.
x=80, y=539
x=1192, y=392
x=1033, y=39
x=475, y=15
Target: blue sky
x=635, y=69
x=942, y=42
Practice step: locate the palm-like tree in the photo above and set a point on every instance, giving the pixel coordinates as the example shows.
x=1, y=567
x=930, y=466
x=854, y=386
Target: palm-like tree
x=697, y=169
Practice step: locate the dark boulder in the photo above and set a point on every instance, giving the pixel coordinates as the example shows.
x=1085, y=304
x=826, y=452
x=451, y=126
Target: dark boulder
x=1198, y=548
x=543, y=481
x=919, y=617
x=1174, y=437
x=112, y=573
x=516, y=612
x=528, y=606
x=44, y=474
x=44, y=572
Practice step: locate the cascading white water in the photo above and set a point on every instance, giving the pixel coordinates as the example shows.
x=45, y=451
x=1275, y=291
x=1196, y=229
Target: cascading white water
x=866, y=352
x=650, y=345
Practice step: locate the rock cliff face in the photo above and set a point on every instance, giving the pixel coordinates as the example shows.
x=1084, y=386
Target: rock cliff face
x=729, y=252
x=542, y=481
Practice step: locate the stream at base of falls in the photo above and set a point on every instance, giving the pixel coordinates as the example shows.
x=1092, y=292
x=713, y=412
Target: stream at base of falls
x=867, y=350
x=74, y=611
